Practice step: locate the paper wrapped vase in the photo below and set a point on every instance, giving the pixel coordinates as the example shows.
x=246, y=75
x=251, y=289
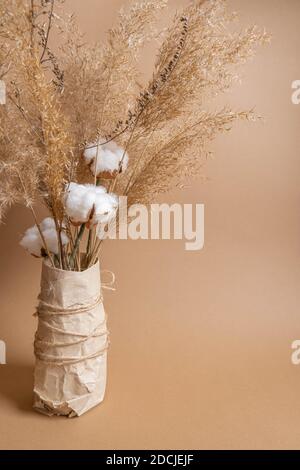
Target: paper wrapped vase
x=70, y=343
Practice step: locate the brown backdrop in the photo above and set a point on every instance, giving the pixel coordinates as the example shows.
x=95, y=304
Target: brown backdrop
x=201, y=342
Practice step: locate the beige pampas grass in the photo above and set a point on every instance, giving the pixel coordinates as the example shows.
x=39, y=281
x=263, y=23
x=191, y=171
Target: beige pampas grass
x=59, y=101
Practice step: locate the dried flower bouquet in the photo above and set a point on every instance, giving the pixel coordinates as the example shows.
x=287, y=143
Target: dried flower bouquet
x=80, y=129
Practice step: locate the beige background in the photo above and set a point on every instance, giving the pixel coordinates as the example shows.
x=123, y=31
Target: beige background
x=201, y=342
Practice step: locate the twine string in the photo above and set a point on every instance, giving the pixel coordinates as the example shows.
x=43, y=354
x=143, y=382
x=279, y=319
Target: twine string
x=110, y=285
x=45, y=310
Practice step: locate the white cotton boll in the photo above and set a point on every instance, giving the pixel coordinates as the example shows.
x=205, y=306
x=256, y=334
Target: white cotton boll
x=32, y=231
x=77, y=208
x=95, y=189
x=80, y=200
x=109, y=158
x=106, y=206
x=64, y=238
x=32, y=241
x=47, y=223
x=51, y=239
x=90, y=153
x=71, y=186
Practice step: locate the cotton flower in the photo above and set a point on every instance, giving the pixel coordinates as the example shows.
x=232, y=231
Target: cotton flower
x=80, y=200
x=33, y=243
x=107, y=163
x=86, y=203
x=105, y=209
x=51, y=238
x=47, y=224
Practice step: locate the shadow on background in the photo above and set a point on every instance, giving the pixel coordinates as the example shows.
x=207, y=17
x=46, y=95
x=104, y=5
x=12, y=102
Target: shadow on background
x=16, y=385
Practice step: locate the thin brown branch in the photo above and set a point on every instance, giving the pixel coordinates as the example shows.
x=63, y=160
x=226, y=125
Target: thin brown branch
x=45, y=45
x=29, y=205
x=25, y=117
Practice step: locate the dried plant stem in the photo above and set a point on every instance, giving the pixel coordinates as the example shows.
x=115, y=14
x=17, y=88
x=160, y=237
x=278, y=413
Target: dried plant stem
x=101, y=121
x=60, y=245
x=89, y=243
x=48, y=31
x=94, y=242
x=21, y=110
x=149, y=101
x=156, y=85
x=78, y=257
x=29, y=205
x=70, y=246
x=31, y=15
x=173, y=139
x=70, y=234
x=105, y=98
x=96, y=253
x=77, y=243
x=67, y=262
x=92, y=239
x=107, y=141
x=133, y=174
x=96, y=163
x=59, y=248
x=114, y=181
x=95, y=250
x=72, y=267
x=97, y=246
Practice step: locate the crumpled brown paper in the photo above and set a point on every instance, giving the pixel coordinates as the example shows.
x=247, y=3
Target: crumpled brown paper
x=71, y=342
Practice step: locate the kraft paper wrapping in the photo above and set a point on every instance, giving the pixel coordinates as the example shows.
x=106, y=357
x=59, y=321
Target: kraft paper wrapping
x=71, y=342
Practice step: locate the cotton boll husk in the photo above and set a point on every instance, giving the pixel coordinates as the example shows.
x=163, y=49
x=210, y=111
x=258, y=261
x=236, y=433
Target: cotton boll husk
x=109, y=157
